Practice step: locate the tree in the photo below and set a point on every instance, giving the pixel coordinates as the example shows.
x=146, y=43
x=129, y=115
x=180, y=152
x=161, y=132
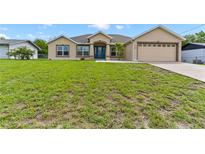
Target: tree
x=197, y=38
x=119, y=48
x=12, y=54
x=21, y=53
x=2, y=38
x=43, y=45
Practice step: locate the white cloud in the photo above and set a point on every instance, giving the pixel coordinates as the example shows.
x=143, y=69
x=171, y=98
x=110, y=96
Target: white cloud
x=4, y=35
x=40, y=35
x=31, y=36
x=119, y=27
x=3, y=28
x=61, y=32
x=18, y=36
x=45, y=26
x=45, y=37
x=128, y=26
x=100, y=26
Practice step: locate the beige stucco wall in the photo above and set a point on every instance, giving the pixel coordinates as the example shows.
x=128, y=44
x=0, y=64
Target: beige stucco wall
x=99, y=38
x=129, y=51
x=61, y=41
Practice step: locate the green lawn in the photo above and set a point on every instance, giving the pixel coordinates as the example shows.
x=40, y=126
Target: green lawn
x=85, y=94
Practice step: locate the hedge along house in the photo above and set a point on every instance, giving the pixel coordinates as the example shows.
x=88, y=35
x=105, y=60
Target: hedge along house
x=157, y=44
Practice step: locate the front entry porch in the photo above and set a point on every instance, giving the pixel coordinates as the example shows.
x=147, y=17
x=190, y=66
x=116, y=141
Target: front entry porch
x=100, y=50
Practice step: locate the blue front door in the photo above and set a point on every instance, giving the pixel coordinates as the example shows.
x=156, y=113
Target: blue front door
x=99, y=52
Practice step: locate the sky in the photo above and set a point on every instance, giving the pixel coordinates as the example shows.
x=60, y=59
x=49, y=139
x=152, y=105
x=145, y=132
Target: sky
x=49, y=31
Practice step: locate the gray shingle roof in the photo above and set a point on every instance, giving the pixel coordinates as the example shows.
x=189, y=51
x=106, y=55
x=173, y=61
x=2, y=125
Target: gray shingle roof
x=11, y=41
x=81, y=38
x=14, y=41
x=115, y=38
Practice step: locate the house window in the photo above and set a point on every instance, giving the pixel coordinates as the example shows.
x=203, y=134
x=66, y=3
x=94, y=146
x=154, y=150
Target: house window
x=164, y=45
x=62, y=50
x=83, y=50
x=113, y=52
x=168, y=45
x=159, y=45
x=173, y=45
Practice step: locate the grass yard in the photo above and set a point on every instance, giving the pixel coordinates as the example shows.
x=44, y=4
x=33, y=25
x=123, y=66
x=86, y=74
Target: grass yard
x=85, y=94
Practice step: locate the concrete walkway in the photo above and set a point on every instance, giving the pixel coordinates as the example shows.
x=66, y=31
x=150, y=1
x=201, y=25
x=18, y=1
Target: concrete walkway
x=116, y=61
x=191, y=70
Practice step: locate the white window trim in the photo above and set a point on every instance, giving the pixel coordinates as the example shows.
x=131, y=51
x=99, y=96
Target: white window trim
x=62, y=50
x=83, y=51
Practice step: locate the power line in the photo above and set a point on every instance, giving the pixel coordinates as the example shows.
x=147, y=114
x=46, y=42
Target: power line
x=192, y=29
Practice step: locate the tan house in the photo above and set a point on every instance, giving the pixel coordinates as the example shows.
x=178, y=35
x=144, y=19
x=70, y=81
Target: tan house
x=157, y=44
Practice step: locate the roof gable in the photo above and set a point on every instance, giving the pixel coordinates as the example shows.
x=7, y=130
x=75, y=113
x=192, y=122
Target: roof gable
x=155, y=28
x=62, y=36
x=99, y=33
x=115, y=38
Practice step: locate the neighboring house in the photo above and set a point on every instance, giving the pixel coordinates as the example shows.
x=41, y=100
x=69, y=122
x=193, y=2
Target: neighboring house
x=193, y=53
x=9, y=44
x=157, y=44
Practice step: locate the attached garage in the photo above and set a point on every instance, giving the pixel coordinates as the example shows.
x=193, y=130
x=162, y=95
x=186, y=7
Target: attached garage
x=157, y=52
x=156, y=45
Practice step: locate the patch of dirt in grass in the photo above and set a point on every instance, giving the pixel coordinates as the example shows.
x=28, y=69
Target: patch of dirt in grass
x=164, y=112
x=119, y=117
x=196, y=85
x=26, y=122
x=145, y=96
x=174, y=102
x=44, y=124
x=145, y=121
x=43, y=120
x=20, y=106
x=55, y=98
x=182, y=125
x=70, y=93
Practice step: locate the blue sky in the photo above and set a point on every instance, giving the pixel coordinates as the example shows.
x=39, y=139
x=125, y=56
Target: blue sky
x=48, y=31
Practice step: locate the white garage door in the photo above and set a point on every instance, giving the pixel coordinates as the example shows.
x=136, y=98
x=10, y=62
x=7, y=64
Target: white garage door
x=3, y=51
x=157, y=52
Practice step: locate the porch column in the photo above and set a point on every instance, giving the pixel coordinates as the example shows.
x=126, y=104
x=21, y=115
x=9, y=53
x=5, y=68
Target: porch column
x=92, y=51
x=107, y=52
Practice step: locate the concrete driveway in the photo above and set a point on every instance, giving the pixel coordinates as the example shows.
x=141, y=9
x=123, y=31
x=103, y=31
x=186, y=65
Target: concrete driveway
x=190, y=70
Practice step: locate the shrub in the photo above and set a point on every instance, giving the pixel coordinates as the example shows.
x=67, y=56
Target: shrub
x=21, y=53
x=119, y=47
x=12, y=54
